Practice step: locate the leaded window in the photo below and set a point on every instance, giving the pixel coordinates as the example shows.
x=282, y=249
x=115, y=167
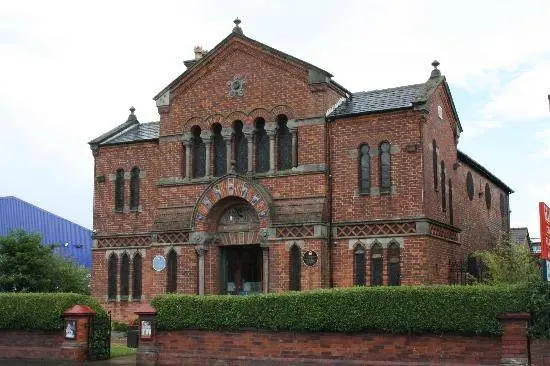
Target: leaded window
x=112, y=277
x=470, y=185
x=434, y=164
x=295, y=268
x=171, y=272
x=385, y=167
x=488, y=196
x=199, y=153
x=284, y=144
x=134, y=189
x=119, y=190
x=451, y=210
x=124, y=276
x=376, y=264
x=364, y=169
x=359, y=266
x=136, y=279
x=443, y=191
x=262, y=147
x=241, y=148
x=394, y=265
x=218, y=144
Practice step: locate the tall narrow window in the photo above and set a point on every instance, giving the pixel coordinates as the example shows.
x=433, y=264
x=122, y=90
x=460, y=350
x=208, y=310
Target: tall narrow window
x=295, y=267
x=240, y=148
x=262, y=146
x=112, y=277
x=443, y=191
x=364, y=168
x=134, y=189
x=434, y=162
x=172, y=272
x=394, y=265
x=199, y=153
x=385, y=167
x=136, y=279
x=284, y=143
x=218, y=144
x=451, y=211
x=359, y=266
x=119, y=190
x=488, y=196
x=376, y=264
x=124, y=276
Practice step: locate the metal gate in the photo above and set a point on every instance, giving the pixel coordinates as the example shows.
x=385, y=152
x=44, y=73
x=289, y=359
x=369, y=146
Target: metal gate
x=99, y=338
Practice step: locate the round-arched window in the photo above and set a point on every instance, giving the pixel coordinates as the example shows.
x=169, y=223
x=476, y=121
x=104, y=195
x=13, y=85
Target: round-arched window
x=488, y=196
x=470, y=185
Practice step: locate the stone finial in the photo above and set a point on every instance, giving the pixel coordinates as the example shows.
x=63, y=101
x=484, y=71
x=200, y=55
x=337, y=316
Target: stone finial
x=199, y=52
x=132, y=116
x=237, y=29
x=435, y=64
x=435, y=72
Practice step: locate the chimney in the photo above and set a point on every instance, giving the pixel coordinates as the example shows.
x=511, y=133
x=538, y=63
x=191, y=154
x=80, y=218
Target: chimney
x=199, y=53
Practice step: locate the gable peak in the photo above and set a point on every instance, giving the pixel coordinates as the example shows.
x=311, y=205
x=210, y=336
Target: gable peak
x=237, y=28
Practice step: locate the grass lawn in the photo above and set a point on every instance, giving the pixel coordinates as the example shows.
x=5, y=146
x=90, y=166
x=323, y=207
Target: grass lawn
x=118, y=350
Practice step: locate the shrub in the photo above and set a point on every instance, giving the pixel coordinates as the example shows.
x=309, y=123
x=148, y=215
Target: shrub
x=404, y=309
x=119, y=326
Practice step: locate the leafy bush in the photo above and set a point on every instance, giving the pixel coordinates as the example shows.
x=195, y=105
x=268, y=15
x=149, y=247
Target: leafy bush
x=119, y=326
x=404, y=309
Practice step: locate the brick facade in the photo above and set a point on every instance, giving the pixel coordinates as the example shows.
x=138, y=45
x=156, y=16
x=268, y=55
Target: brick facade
x=315, y=205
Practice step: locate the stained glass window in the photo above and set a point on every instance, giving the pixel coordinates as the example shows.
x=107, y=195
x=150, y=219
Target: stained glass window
x=134, y=189
x=385, y=167
x=218, y=144
x=136, y=279
x=199, y=153
x=112, y=277
x=171, y=272
x=434, y=162
x=376, y=264
x=241, y=149
x=295, y=267
x=119, y=190
x=359, y=266
x=284, y=144
x=262, y=147
x=364, y=169
x=443, y=191
x=124, y=276
x=394, y=265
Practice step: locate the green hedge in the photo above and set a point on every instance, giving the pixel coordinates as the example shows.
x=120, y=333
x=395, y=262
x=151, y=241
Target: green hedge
x=404, y=309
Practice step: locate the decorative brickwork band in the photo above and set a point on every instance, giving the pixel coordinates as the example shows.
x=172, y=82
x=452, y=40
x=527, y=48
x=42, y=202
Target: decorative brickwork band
x=173, y=237
x=303, y=231
x=376, y=229
x=124, y=241
x=443, y=233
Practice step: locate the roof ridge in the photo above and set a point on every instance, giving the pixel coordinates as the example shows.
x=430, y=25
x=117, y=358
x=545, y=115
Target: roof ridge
x=386, y=89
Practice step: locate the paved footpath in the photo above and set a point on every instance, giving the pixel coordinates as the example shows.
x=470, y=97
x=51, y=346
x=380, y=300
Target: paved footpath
x=126, y=360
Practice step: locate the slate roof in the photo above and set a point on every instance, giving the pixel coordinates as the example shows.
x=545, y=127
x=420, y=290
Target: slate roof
x=519, y=235
x=378, y=101
x=483, y=171
x=136, y=133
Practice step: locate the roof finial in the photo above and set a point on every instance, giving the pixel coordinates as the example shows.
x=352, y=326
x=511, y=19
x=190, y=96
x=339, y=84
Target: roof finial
x=132, y=116
x=435, y=72
x=435, y=64
x=132, y=109
x=237, y=29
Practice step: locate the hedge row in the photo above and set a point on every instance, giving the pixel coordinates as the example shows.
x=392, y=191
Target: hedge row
x=404, y=309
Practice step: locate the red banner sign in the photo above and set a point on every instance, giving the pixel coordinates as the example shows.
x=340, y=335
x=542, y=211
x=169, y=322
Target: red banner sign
x=544, y=214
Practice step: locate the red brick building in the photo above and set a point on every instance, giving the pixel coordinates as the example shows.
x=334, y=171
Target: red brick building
x=264, y=175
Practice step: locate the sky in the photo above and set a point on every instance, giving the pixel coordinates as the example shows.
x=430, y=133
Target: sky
x=69, y=71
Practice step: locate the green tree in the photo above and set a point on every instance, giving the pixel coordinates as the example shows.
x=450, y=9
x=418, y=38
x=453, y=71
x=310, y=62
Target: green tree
x=28, y=266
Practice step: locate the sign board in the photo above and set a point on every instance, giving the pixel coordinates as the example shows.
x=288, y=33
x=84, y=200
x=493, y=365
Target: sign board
x=544, y=214
x=310, y=258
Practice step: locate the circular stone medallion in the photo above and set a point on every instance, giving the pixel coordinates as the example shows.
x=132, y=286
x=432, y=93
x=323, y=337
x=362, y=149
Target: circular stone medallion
x=159, y=263
x=310, y=258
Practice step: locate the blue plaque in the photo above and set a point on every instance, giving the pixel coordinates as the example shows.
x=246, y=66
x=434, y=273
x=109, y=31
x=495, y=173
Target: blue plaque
x=159, y=263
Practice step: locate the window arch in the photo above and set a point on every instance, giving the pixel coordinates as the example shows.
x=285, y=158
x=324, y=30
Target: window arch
x=134, y=189
x=284, y=143
x=124, y=276
x=295, y=268
x=502, y=205
x=218, y=143
x=199, y=152
x=470, y=185
x=385, y=167
x=112, y=277
x=172, y=271
x=434, y=163
x=119, y=190
x=359, y=265
x=443, y=191
x=241, y=148
x=394, y=265
x=262, y=146
x=488, y=196
x=376, y=264
x=364, y=168
x=136, y=279
x=451, y=210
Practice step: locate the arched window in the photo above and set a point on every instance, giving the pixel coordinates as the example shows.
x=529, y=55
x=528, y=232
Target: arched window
x=295, y=267
x=262, y=146
x=364, y=168
x=502, y=205
x=434, y=163
x=136, y=279
x=359, y=266
x=470, y=185
x=451, y=211
x=172, y=272
x=199, y=153
x=124, y=276
x=112, y=277
x=218, y=144
x=443, y=191
x=241, y=148
x=284, y=143
x=376, y=264
x=385, y=167
x=119, y=190
x=488, y=196
x=134, y=189
x=394, y=265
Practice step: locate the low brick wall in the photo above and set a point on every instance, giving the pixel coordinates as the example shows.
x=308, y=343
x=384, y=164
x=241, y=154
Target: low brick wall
x=540, y=352
x=30, y=345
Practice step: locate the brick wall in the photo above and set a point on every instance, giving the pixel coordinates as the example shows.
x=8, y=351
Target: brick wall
x=30, y=345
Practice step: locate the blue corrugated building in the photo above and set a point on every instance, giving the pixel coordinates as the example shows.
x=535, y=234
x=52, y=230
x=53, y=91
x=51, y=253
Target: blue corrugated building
x=75, y=241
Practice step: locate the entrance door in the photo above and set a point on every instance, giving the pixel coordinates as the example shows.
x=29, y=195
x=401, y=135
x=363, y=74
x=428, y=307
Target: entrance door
x=241, y=269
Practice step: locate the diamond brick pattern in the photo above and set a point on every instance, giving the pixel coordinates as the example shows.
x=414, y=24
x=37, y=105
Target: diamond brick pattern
x=174, y=237
x=441, y=232
x=376, y=229
x=295, y=232
x=124, y=241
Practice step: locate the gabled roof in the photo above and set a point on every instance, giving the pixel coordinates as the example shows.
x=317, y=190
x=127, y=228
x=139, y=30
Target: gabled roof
x=520, y=235
x=483, y=171
x=136, y=133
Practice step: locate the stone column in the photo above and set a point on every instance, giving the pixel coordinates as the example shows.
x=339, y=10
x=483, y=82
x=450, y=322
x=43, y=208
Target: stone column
x=249, y=134
x=271, y=133
x=207, y=139
x=187, y=144
x=200, y=253
x=265, y=259
x=77, y=322
x=294, y=146
x=226, y=134
x=147, y=351
x=514, y=342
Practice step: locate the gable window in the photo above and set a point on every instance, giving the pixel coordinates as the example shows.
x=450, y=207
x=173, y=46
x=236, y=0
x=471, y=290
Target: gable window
x=124, y=277
x=385, y=167
x=470, y=185
x=295, y=268
x=394, y=265
x=443, y=192
x=171, y=272
x=134, y=189
x=262, y=146
x=241, y=148
x=119, y=190
x=112, y=277
x=434, y=163
x=136, y=279
x=359, y=266
x=488, y=196
x=451, y=212
x=219, y=150
x=364, y=168
x=376, y=264
x=284, y=143
x=199, y=153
